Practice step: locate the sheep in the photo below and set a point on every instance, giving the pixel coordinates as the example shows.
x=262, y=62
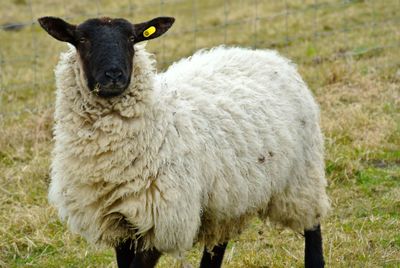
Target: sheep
x=153, y=163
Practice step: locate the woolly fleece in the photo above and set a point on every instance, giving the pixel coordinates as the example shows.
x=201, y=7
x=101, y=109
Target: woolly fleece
x=189, y=155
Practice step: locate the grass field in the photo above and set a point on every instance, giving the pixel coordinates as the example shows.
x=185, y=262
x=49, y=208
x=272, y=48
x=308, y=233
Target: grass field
x=347, y=51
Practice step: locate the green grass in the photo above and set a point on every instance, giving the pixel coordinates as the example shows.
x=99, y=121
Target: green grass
x=347, y=51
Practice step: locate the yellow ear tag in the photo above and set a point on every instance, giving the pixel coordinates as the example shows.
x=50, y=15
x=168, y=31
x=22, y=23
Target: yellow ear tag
x=149, y=31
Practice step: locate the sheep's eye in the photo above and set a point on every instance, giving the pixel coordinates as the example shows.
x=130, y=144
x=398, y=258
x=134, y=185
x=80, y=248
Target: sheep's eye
x=82, y=40
x=131, y=38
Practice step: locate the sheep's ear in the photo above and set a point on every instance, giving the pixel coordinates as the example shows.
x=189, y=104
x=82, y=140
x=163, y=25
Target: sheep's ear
x=152, y=29
x=58, y=28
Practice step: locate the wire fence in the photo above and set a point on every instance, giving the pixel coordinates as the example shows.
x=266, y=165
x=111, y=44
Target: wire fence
x=311, y=32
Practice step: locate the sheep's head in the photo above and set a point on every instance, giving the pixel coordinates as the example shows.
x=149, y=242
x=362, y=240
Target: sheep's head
x=105, y=47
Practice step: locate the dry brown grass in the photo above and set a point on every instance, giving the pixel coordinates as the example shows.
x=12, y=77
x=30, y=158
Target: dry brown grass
x=351, y=64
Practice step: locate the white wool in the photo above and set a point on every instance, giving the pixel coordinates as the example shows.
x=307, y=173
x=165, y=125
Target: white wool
x=189, y=155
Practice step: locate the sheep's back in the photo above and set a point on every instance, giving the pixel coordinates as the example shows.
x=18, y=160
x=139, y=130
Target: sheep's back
x=249, y=126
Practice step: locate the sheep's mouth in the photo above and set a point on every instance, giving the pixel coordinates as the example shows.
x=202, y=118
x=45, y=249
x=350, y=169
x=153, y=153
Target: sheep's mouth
x=106, y=94
x=109, y=91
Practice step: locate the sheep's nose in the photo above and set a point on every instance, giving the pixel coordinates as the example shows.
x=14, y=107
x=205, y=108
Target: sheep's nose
x=113, y=73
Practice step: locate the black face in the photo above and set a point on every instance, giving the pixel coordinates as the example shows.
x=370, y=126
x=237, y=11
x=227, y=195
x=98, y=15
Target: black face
x=105, y=47
x=106, y=50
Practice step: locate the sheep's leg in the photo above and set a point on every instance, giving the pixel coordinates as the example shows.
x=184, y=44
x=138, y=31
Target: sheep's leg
x=127, y=258
x=214, y=258
x=313, y=250
x=146, y=259
x=125, y=253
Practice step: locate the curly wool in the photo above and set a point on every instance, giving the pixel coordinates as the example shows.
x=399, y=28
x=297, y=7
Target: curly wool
x=189, y=155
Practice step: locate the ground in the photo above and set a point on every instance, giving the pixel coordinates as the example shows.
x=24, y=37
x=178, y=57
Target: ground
x=347, y=52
